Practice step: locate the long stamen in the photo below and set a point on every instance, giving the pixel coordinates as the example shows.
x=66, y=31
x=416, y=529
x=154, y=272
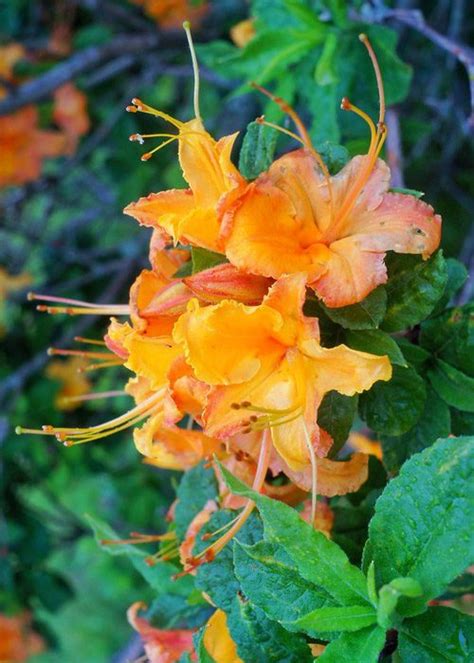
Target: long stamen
x=92, y=397
x=139, y=106
x=262, y=467
x=306, y=140
x=187, y=29
x=378, y=75
x=90, y=341
x=137, y=538
x=34, y=296
x=52, y=352
x=314, y=474
x=105, y=364
x=71, y=436
x=376, y=142
x=263, y=122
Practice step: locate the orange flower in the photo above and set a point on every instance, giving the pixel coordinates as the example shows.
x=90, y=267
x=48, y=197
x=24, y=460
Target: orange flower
x=172, y=13
x=243, y=32
x=70, y=114
x=268, y=369
x=362, y=443
x=336, y=230
x=217, y=640
x=161, y=646
x=191, y=215
x=70, y=374
x=24, y=146
x=17, y=640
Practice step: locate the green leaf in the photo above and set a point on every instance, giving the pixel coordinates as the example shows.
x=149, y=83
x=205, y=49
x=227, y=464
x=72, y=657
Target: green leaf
x=371, y=587
x=450, y=336
x=261, y=639
x=462, y=423
x=203, y=259
x=257, y=150
x=325, y=73
x=415, y=356
x=413, y=289
x=457, y=275
x=335, y=415
x=464, y=584
x=347, y=618
x=393, y=407
x=270, y=579
x=197, y=486
x=334, y=156
x=376, y=342
x=437, y=636
x=453, y=386
x=434, y=423
x=217, y=578
x=367, y=314
x=362, y=646
x=316, y=558
x=422, y=527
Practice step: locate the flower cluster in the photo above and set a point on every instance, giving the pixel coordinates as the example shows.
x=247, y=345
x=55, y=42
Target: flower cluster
x=225, y=362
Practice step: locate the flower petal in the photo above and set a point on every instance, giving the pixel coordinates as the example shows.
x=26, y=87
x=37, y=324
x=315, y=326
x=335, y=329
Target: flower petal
x=352, y=273
x=334, y=477
x=229, y=342
x=400, y=223
x=227, y=282
x=264, y=236
x=218, y=641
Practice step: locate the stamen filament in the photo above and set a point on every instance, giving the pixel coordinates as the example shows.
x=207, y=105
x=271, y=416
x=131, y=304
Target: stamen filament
x=91, y=341
x=287, y=132
x=259, y=480
x=92, y=310
x=52, y=352
x=187, y=29
x=92, y=397
x=139, y=106
x=314, y=474
x=378, y=75
x=105, y=364
x=33, y=296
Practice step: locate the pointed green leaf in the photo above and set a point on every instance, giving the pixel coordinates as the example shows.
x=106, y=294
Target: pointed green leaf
x=422, y=527
x=203, y=259
x=347, y=618
x=316, y=558
x=440, y=635
x=392, y=408
x=367, y=314
x=358, y=647
x=454, y=387
x=450, y=336
x=413, y=290
x=376, y=342
x=257, y=150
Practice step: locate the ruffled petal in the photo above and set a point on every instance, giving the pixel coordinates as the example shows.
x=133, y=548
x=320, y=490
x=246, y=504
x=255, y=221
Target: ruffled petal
x=229, y=342
x=264, y=236
x=334, y=477
x=217, y=640
x=352, y=273
x=400, y=223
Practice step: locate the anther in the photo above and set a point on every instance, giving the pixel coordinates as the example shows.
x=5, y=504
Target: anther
x=235, y=406
x=245, y=404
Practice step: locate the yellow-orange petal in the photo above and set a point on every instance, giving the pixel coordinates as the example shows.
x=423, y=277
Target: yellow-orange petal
x=195, y=526
x=218, y=641
x=173, y=448
x=352, y=273
x=364, y=444
x=345, y=370
x=206, y=163
x=400, y=223
x=228, y=342
x=262, y=235
x=334, y=477
x=227, y=282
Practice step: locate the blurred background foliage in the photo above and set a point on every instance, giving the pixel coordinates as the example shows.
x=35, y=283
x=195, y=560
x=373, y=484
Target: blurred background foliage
x=63, y=233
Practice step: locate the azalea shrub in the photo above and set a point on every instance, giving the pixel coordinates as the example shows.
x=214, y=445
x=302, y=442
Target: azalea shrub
x=281, y=450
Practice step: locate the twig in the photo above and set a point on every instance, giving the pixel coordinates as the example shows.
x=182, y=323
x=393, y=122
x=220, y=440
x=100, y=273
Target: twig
x=464, y=54
x=42, y=86
x=394, y=148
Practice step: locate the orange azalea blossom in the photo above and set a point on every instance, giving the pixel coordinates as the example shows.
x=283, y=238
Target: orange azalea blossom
x=268, y=369
x=190, y=216
x=70, y=114
x=243, y=32
x=336, y=230
x=161, y=646
x=172, y=13
x=24, y=146
x=324, y=519
x=17, y=640
x=74, y=383
x=217, y=640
